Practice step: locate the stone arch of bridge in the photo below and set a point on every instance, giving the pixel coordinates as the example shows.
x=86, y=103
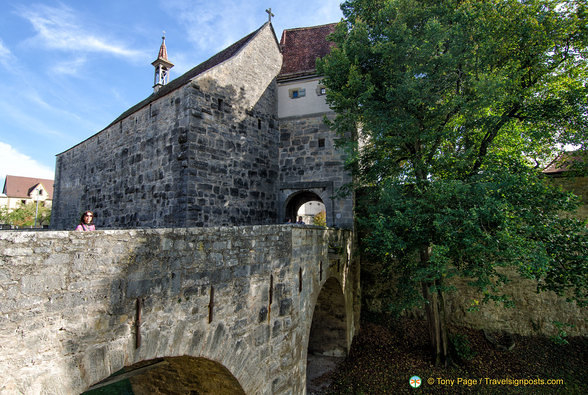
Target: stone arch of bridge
x=297, y=199
x=328, y=334
x=328, y=329
x=181, y=375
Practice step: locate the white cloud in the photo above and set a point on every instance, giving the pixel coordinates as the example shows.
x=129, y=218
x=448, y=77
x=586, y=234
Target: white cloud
x=59, y=28
x=207, y=24
x=4, y=52
x=6, y=56
x=28, y=121
x=69, y=67
x=15, y=163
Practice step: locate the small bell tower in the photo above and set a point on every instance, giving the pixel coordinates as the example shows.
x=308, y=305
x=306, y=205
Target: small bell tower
x=162, y=67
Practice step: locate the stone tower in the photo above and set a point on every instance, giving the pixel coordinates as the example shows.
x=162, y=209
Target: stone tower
x=311, y=168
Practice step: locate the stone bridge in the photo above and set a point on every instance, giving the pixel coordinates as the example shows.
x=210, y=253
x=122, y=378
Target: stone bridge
x=224, y=309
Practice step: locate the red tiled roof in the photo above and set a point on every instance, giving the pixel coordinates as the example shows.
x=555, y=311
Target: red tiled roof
x=21, y=187
x=301, y=47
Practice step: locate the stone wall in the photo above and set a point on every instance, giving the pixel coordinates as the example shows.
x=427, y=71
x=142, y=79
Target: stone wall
x=230, y=159
x=250, y=72
x=127, y=173
x=309, y=161
x=233, y=138
x=534, y=313
x=69, y=302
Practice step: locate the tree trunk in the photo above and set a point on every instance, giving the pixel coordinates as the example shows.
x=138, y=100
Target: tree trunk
x=435, y=314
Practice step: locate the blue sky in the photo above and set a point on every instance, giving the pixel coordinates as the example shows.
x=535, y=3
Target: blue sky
x=68, y=68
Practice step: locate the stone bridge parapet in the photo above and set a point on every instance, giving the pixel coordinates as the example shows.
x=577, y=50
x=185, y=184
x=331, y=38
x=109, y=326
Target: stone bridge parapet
x=77, y=307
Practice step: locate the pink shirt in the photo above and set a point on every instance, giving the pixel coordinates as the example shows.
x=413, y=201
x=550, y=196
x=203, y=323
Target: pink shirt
x=85, y=228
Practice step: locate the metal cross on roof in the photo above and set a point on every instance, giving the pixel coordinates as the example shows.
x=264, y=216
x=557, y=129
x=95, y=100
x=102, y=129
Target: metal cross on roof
x=269, y=14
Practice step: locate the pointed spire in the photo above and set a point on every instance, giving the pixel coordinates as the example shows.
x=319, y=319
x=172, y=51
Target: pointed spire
x=162, y=50
x=162, y=66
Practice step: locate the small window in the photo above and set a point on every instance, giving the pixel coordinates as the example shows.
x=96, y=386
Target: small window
x=258, y=123
x=321, y=143
x=40, y=192
x=297, y=93
x=220, y=104
x=321, y=90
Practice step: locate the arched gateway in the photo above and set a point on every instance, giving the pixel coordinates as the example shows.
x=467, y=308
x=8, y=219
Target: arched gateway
x=299, y=200
x=233, y=302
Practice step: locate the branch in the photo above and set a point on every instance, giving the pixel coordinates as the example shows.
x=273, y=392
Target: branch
x=490, y=136
x=448, y=117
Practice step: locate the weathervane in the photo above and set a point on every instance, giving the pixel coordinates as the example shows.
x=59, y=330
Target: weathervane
x=269, y=14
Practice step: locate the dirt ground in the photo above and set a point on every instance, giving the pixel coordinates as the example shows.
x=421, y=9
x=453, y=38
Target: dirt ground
x=386, y=354
x=319, y=370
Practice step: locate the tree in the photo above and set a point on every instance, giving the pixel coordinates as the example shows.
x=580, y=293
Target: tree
x=24, y=215
x=44, y=216
x=3, y=215
x=459, y=104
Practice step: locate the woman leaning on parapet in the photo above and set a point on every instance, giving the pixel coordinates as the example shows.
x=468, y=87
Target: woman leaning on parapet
x=86, y=222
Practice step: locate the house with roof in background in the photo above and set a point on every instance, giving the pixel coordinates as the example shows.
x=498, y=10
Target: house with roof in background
x=240, y=139
x=19, y=191
x=568, y=170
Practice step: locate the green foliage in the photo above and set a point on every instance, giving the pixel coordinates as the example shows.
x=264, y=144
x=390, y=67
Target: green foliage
x=320, y=219
x=3, y=215
x=462, y=347
x=506, y=217
x=459, y=104
x=560, y=338
x=24, y=215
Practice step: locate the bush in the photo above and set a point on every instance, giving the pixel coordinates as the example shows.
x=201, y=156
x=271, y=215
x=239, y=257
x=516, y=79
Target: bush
x=320, y=219
x=462, y=347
